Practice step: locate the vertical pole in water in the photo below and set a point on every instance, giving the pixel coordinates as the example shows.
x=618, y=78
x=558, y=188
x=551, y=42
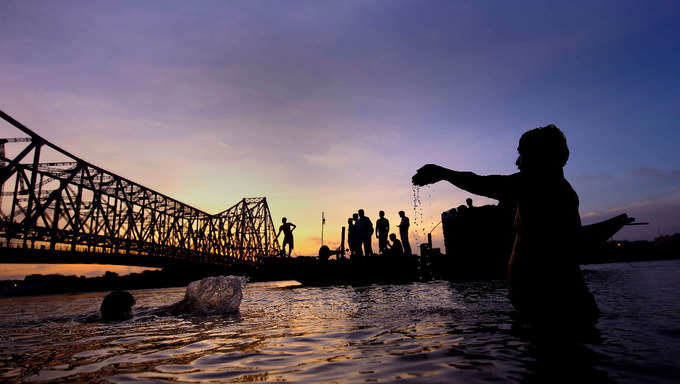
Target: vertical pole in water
x=429, y=240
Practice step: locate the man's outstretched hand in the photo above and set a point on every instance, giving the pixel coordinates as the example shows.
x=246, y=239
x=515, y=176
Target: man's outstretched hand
x=429, y=174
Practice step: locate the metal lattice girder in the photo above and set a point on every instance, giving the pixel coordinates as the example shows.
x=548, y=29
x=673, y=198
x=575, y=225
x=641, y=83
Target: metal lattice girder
x=72, y=204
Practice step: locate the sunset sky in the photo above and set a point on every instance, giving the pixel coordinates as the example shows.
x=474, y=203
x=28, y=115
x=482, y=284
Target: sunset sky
x=332, y=105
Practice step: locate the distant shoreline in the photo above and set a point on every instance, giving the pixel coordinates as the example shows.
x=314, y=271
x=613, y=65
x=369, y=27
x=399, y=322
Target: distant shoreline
x=37, y=284
x=181, y=276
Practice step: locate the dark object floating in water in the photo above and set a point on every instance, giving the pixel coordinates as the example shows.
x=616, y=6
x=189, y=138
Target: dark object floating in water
x=117, y=306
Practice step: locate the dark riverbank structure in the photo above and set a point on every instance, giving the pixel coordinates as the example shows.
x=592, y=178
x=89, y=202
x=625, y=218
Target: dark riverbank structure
x=64, y=207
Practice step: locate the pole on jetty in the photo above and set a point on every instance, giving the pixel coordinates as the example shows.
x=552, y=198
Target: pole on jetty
x=323, y=222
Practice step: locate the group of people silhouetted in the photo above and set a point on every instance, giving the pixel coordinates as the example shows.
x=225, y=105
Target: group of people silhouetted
x=360, y=235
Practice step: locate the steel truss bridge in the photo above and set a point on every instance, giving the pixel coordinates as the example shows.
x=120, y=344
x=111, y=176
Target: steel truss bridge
x=51, y=200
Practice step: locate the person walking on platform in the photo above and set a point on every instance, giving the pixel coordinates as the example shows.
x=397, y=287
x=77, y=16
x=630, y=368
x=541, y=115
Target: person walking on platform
x=403, y=232
x=365, y=230
x=382, y=228
x=287, y=229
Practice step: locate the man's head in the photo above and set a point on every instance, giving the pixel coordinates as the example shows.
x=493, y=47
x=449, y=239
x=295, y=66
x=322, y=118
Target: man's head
x=361, y=213
x=468, y=201
x=393, y=237
x=117, y=306
x=349, y=220
x=401, y=214
x=355, y=216
x=381, y=213
x=542, y=149
x=284, y=220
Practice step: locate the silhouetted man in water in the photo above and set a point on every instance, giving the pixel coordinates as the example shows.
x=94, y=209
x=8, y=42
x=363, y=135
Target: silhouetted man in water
x=546, y=284
x=403, y=232
x=382, y=228
x=395, y=249
x=365, y=230
x=117, y=306
x=287, y=229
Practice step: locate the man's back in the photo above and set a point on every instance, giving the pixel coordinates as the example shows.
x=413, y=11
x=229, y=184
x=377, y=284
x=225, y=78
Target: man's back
x=547, y=219
x=382, y=225
x=543, y=270
x=397, y=249
x=403, y=226
x=365, y=226
x=351, y=229
x=287, y=231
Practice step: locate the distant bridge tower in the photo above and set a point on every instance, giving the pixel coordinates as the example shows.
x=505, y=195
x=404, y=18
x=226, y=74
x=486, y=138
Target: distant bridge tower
x=60, y=202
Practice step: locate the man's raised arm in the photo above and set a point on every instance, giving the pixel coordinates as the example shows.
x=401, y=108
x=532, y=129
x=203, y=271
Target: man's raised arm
x=492, y=186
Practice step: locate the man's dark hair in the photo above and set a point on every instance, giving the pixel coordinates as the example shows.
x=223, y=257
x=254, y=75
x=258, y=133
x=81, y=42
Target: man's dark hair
x=544, y=147
x=381, y=213
x=361, y=212
x=401, y=213
x=117, y=306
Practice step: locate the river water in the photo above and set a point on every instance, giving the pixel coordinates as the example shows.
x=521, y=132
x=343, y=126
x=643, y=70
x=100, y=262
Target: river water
x=422, y=332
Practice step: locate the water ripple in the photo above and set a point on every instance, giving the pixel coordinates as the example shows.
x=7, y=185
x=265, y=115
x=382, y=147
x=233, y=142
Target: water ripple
x=422, y=332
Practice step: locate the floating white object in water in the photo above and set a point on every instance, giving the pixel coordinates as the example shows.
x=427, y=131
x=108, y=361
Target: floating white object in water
x=212, y=295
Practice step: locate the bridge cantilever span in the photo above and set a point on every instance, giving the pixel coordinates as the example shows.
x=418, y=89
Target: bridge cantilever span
x=53, y=200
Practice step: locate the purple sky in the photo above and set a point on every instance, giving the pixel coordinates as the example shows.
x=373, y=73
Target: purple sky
x=331, y=106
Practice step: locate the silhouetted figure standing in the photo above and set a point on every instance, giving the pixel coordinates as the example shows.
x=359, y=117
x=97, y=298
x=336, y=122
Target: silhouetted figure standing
x=365, y=230
x=357, y=236
x=382, y=228
x=351, y=237
x=403, y=232
x=546, y=283
x=287, y=229
x=395, y=249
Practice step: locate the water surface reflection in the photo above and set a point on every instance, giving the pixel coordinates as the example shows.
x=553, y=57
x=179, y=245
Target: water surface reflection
x=422, y=332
